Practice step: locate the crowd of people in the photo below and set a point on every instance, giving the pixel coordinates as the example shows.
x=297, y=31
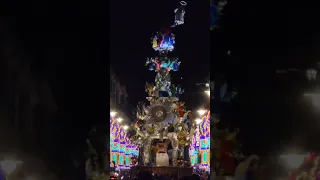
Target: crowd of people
x=146, y=175
x=246, y=170
x=252, y=168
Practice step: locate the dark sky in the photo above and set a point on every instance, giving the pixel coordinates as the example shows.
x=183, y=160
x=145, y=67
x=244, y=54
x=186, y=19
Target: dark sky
x=68, y=45
x=131, y=27
x=269, y=109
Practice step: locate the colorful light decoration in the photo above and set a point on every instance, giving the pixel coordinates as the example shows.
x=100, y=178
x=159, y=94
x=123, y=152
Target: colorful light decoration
x=122, y=139
x=199, y=149
x=136, y=151
x=128, y=154
x=192, y=151
x=205, y=140
x=121, y=149
x=114, y=142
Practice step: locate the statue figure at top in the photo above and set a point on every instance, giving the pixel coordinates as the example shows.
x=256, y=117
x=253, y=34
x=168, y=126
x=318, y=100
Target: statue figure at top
x=179, y=14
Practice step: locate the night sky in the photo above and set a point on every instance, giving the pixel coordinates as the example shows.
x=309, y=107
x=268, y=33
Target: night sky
x=130, y=45
x=67, y=45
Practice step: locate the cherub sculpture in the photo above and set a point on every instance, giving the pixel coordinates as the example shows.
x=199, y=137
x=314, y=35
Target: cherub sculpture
x=150, y=89
x=141, y=113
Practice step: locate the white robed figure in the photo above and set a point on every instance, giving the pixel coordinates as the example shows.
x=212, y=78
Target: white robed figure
x=162, y=158
x=179, y=14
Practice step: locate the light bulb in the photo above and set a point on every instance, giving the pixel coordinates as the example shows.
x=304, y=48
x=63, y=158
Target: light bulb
x=119, y=120
x=198, y=121
x=201, y=112
x=112, y=113
x=208, y=93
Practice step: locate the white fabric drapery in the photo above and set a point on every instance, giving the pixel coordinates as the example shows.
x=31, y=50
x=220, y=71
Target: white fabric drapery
x=162, y=159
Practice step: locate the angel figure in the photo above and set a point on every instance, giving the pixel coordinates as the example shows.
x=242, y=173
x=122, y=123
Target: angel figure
x=150, y=89
x=180, y=13
x=141, y=114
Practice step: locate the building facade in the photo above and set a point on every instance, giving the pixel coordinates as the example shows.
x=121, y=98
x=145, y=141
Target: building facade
x=118, y=92
x=118, y=103
x=27, y=106
x=25, y=100
x=119, y=97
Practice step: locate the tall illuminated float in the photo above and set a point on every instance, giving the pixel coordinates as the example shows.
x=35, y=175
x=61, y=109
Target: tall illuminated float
x=165, y=118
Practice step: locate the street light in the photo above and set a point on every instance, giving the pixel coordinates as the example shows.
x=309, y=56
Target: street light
x=125, y=127
x=113, y=113
x=9, y=166
x=119, y=120
x=198, y=121
x=201, y=112
x=208, y=93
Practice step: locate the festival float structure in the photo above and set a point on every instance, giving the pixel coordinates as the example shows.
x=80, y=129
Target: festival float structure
x=165, y=119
